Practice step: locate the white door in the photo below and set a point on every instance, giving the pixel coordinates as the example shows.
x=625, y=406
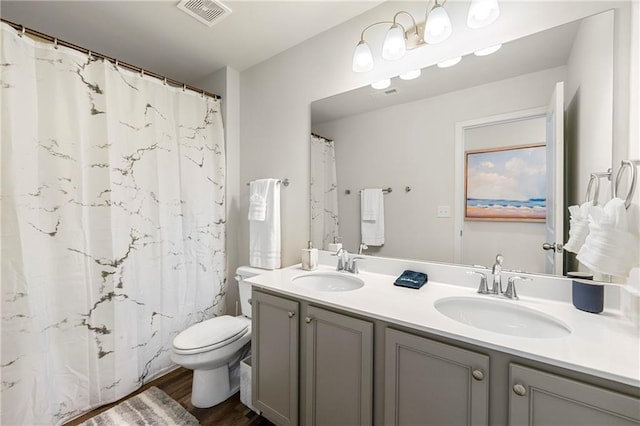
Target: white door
x=555, y=182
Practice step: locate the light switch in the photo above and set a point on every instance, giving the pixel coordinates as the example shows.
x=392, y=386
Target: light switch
x=444, y=211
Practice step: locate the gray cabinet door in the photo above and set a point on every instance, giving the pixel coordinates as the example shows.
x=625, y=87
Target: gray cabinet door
x=538, y=398
x=339, y=369
x=274, y=344
x=431, y=383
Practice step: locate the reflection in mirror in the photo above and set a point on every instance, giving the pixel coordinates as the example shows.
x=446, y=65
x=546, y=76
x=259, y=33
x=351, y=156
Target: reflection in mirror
x=405, y=136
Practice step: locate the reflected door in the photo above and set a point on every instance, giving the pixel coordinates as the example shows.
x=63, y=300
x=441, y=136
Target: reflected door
x=555, y=182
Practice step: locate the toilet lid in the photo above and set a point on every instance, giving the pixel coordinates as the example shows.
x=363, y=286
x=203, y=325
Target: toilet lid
x=210, y=332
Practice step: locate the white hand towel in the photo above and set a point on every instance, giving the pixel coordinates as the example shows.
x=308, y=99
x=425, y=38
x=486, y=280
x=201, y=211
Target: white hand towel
x=258, y=199
x=610, y=248
x=264, y=236
x=370, y=199
x=372, y=230
x=578, y=226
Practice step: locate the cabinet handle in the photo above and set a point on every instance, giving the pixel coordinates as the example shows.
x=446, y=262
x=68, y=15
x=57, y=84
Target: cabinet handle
x=308, y=320
x=478, y=375
x=519, y=389
x=291, y=314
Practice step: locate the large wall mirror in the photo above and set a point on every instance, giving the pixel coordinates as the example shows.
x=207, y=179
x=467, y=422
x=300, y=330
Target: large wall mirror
x=412, y=138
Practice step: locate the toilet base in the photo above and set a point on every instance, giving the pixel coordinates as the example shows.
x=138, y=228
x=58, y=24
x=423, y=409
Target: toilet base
x=211, y=387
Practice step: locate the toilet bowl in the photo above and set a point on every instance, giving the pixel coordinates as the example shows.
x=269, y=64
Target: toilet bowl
x=213, y=349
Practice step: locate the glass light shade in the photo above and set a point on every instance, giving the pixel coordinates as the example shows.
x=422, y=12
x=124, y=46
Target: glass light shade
x=382, y=84
x=362, y=58
x=482, y=13
x=394, y=46
x=410, y=75
x=449, y=62
x=438, y=26
x=488, y=50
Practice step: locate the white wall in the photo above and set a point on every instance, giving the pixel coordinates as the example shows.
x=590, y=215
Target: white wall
x=588, y=105
x=413, y=145
x=276, y=94
x=226, y=83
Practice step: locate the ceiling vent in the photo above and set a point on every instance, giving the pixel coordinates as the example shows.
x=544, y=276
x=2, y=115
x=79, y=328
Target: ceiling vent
x=209, y=12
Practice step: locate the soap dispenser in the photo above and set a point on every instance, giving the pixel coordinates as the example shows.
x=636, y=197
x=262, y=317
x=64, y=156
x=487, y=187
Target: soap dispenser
x=335, y=245
x=309, y=258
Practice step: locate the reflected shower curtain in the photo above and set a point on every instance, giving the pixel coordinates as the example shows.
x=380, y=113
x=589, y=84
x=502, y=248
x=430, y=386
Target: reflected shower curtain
x=323, y=193
x=113, y=227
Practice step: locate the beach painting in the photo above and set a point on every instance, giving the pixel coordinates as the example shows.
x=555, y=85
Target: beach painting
x=506, y=184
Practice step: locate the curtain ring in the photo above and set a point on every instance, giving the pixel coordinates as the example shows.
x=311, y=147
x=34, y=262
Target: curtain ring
x=90, y=54
x=203, y=93
x=117, y=63
x=141, y=72
x=55, y=43
x=184, y=87
x=22, y=30
x=165, y=81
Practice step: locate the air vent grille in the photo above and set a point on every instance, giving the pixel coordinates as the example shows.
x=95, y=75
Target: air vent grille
x=209, y=12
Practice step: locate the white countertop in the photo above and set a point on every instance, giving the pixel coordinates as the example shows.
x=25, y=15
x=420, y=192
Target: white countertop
x=604, y=345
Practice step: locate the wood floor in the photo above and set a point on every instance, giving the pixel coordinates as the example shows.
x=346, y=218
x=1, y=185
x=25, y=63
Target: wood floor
x=177, y=384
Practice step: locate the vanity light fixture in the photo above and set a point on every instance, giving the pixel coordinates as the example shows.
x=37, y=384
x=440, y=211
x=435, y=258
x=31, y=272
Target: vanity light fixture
x=436, y=29
x=449, y=62
x=482, y=13
x=488, y=50
x=410, y=75
x=382, y=84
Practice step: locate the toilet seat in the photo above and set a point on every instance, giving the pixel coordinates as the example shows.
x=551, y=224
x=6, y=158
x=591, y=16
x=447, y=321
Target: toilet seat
x=209, y=335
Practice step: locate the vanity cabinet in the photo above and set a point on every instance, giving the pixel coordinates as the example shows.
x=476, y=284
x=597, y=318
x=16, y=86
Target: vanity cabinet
x=540, y=398
x=335, y=355
x=428, y=382
x=338, y=373
x=275, y=354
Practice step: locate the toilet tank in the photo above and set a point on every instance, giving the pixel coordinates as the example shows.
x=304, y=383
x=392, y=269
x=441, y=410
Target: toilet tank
x=244, y=288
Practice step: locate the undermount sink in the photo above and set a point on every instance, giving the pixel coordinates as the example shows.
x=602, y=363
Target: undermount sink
x=502, y=317
x=328, y=281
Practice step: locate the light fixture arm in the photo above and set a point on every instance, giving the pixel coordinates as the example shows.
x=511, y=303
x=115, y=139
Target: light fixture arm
x=395, y=18
x=373, y=25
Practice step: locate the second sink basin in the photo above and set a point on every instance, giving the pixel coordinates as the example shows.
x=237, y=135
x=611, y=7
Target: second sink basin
x=328, y=281
x=501, y=317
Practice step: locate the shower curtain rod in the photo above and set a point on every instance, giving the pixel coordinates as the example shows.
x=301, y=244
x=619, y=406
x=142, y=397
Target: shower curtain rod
x=321, y=137
x=57, y=42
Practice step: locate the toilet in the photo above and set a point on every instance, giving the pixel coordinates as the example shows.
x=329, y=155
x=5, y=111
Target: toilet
x=213, y=349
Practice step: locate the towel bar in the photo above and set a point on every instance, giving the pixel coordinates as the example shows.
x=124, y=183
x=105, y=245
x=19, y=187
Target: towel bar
x=284, y=182
x=631, y=165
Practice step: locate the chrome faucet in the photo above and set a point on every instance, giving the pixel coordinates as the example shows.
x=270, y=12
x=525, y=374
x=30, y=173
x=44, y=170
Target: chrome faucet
x=362, y=248
x=347, y=262
x=496, y=271
x=352, y=265
x=510, y=292
x=342, y=254
x=482, y=289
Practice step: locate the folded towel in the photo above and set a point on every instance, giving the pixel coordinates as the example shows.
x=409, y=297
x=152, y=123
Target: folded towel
x=578, y=226
x=258, y=199
x=371, y=198
x=264, y=236
x=411, y=279
x=610, y=248
x=372, y=230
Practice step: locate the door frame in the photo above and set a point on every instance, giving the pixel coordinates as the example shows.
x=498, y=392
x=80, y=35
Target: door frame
x=461, y=126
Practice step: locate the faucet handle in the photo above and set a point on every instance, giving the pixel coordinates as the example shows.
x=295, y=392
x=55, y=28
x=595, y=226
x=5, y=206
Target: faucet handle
x=510, y=292
x=482, y=289
x=499, y=259
x=354, y=265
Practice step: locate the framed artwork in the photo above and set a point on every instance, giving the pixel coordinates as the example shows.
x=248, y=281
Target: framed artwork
x=506, y=184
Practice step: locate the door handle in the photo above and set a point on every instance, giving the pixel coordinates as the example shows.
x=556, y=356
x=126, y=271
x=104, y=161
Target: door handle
x=552, y=246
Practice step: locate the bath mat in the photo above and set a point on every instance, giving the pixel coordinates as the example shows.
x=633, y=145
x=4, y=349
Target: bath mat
x=151, y=407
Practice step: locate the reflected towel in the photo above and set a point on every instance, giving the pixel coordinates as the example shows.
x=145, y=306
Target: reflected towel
x=264, y=236
x=610, y=248
x=371, y=200
x=258, y=199
x=372, y=231
x=578, y=226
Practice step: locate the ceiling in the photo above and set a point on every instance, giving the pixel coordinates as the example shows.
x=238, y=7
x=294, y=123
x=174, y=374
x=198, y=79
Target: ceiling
x=159, y=37
x=540, y=51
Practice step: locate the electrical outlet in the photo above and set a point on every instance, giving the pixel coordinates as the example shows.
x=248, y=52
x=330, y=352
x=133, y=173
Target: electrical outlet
x=444, y=211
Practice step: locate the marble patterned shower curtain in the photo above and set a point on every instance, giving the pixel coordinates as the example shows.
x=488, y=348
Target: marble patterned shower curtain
x=324, y=193
x=113, y=227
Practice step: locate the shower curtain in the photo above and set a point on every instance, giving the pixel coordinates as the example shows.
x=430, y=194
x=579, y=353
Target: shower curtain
x=113, y=227
x=323, y=193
